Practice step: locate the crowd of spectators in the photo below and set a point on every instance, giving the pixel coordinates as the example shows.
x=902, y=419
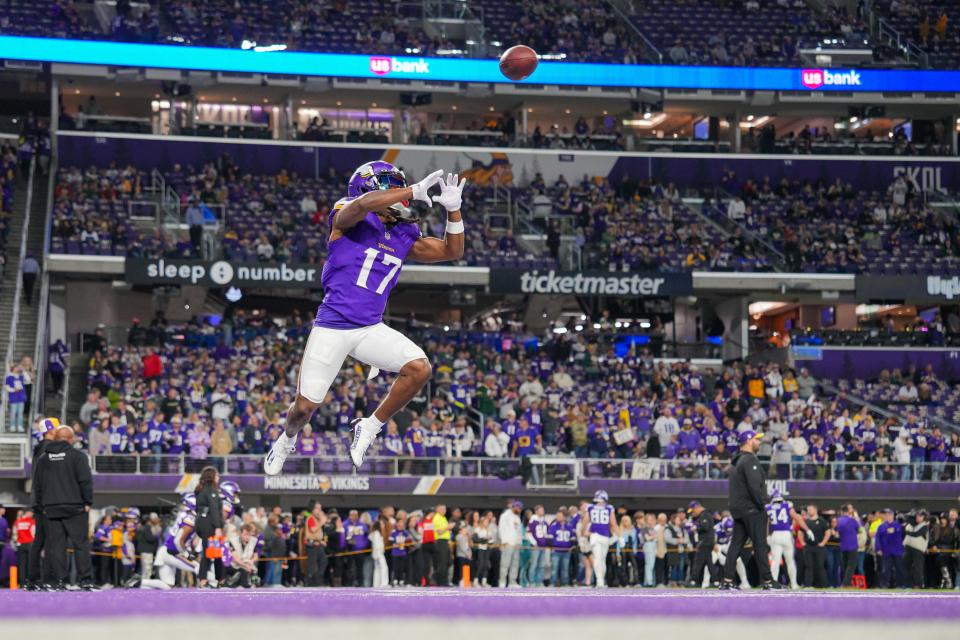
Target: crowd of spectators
x=519, y=547
x=222, y=391
x=930, y=24
x=638, y=225
x=832, y=228
x=743, y=33
x=279, y=217
x=721, y=32
x=47, y=18
x=574, y=30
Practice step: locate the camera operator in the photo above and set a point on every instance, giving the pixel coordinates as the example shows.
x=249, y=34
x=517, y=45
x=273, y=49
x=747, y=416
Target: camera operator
x=63, y=489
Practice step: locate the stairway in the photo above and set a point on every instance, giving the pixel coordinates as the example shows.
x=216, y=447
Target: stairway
x=8, y=285
x=77, y=392
x=26, y=341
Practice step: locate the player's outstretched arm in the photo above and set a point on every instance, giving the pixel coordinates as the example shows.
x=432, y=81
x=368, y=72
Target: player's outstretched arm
x=428, y=250
x=355, y=210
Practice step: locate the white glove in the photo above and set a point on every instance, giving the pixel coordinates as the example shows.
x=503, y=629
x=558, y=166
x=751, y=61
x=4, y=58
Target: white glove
x=421, y=188
x=810, y=535
x=451, y=192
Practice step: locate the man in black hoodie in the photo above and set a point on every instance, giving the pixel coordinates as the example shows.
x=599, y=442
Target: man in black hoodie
x=48, y=429
x=63, y=487
x=748, y=500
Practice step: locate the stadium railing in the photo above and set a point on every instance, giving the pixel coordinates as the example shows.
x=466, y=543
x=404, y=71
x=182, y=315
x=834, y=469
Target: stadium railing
x=543, y=470
x=17, y=296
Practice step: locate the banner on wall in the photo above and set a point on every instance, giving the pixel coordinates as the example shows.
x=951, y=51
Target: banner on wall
x=300, y=63
x=590, y=283
x=172, y=271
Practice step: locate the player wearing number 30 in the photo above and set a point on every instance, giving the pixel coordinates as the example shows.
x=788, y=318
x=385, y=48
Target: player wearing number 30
x=371, y=233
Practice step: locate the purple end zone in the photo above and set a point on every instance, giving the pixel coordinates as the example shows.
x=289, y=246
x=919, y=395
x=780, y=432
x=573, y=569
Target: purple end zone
x=483, y=603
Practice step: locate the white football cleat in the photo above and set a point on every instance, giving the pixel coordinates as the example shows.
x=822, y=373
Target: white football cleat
x=283, y=447
x=364, y=434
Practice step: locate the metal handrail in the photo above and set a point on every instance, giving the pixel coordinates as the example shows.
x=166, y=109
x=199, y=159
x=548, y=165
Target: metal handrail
x=578, y=468
x=904, y=44
x=886, y=413
x=722, y=218
x=40, y=360
x=623, y=16
x=18, y=289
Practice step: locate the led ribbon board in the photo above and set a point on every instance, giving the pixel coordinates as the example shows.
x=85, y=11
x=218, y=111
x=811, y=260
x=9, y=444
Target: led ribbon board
x=122, y=54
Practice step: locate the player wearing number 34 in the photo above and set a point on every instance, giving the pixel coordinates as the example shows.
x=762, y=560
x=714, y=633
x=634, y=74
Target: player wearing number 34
x=372, y=231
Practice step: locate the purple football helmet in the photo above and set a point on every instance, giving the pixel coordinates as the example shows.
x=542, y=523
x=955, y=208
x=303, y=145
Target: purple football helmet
x=229, y=490
x=776, y=496
x=374, y=176
x=189, y=502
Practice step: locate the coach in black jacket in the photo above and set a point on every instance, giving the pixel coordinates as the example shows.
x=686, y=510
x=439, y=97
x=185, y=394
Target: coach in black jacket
x=63, y=487
x=35, y=576
x=706, y=540
x=748, y=501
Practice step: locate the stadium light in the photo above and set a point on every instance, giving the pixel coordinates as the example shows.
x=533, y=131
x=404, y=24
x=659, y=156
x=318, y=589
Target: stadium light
x=596, y=325
x=560, y=330
x=579, y=327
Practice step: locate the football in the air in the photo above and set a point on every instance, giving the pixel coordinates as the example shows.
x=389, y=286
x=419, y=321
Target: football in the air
x=518, y=62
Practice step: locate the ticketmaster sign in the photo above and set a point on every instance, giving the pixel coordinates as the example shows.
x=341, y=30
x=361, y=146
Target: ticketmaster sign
x=595, y=283
x=167, y=271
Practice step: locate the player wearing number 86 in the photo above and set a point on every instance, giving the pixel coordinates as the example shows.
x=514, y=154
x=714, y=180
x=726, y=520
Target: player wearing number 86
x=371, y=232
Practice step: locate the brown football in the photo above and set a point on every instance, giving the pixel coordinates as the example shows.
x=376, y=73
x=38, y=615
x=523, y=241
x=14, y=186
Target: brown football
x=518, y=62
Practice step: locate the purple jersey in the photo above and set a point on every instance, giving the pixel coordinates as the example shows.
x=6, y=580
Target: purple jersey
x=561, y=535
x=393, y=444
x=308, y=446
x=414, y=441
x=357, y=535
x=172, y=541
x=526, y=440
x=779, y=514
x=538, y=530
x=399, y=538
x=600, y=518
x=156, y=431
x=362, y=268
x=689, y=439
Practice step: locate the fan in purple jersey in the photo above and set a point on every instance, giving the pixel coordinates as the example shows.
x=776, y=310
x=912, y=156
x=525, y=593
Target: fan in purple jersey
x=371, y=233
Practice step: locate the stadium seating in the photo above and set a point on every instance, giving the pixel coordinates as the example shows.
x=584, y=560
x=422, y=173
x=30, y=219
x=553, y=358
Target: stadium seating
x=46, y=18
x=96, y=213
x=865, y=232
x=918, y=21
x=709, y=31
x=577, y=400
